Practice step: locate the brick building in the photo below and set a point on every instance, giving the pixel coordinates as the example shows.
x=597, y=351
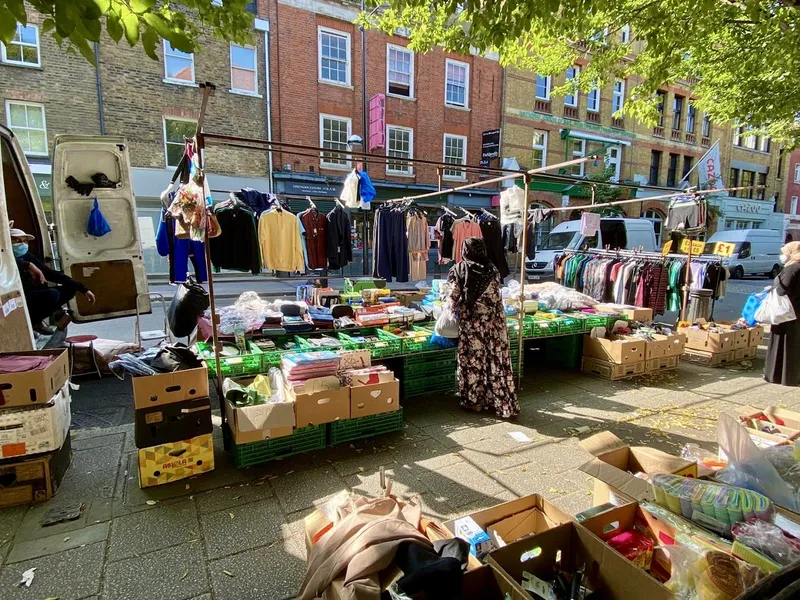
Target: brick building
x=791, y=195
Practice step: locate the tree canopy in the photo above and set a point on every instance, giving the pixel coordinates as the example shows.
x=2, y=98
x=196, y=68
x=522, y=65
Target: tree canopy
x=740, y=58
x=78, y=23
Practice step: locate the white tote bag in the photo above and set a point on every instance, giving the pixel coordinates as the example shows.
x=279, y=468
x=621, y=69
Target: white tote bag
x=447, y=324
x=775, y=309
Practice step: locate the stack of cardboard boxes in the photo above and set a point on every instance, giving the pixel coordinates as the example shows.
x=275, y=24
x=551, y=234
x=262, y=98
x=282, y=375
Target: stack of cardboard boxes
x=719, y=348
x=173, y=426
x=621, y=359
x=34, y=428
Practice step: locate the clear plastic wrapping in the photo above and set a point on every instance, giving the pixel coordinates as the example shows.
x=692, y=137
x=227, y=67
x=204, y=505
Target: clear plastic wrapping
x=768, y=539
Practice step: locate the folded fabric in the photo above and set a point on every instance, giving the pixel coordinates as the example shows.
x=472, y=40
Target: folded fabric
x=19, y=363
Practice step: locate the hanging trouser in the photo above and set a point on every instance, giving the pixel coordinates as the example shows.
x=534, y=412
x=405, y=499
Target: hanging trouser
x=392, y=254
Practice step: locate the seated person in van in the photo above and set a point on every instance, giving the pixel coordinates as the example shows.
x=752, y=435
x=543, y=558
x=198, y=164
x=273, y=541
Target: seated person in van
x=43, y=300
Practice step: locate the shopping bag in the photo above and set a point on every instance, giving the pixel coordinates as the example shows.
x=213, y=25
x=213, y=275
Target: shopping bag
x=775, y=309
x=447, y=324
x=97, y=225
x=189, y=302
x=751, y=306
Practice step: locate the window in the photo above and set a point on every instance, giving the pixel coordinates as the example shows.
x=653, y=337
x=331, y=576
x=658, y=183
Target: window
x=794, y=205
x=797, y=173
x=658, y=223
x=766, y=144
x=251, y=7
x=539, y=157
x=655, y=166
x=688, y=161
x=751, y=142
x=625, y=34
x=593, y=101
x=399, y=71
x=748, y=179
x=455, y=152
x=27, y=122
x=672, y=170
x=734, y=182
x=661, y=97
x=779, y=174
x=706, y=126
x=761, y=192
x=334, y=133
x=691, y=117
x=178, y=66
x=399, y=145
x=613, y=161
x=175, y=130
x=677, y=112
x=244, y=77
x=618, y=97
x=737, y=136
x=542, y=87
x=456, y=83
x=572, y=99
x=23, y=49
x=334, y=56
x=578, y=151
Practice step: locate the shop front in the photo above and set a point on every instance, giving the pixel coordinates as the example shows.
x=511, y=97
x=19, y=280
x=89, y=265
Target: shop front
x=746, y=213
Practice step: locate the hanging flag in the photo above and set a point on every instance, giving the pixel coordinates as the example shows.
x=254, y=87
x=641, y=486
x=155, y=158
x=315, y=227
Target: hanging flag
x=709, y=169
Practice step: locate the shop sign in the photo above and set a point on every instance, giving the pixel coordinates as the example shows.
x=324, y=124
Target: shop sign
x=749, y=208
x=43, y=185
x=666, y=248
x=309, y=188
x=491, y=144
x=697, y=246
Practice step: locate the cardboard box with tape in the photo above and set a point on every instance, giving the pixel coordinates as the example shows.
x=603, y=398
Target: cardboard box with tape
x=620, y=352
x=32, y=386
x=615, y=466
x=172, y=422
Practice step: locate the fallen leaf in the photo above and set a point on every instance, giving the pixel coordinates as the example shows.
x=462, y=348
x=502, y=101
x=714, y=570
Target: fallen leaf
x=228, y=573
x=588, y=492
x=187, y=486
x=151, y=502
x=553, y=490
x=230, y=515
x=290, y=472
x=185, y=574
x=66, y=539
x=236, y=497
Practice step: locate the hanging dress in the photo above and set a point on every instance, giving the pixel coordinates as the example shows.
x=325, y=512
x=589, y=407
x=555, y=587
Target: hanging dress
x=418, y=245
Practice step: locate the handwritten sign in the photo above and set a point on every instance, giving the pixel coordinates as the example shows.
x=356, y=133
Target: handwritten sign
x=666, y=248
x=724, y=248
x=697, y=246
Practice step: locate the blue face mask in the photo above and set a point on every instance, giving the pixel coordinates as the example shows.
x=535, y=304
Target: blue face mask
x=20, y=249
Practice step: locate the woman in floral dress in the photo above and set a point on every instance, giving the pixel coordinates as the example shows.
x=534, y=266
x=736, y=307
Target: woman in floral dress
x=485, y=379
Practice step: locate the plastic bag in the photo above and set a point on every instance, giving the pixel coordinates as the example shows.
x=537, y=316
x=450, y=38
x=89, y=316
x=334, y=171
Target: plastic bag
x=775, y=309
x=97, y=225
x=768, y=539
x=447, y=324
x=188, y=303
x=751, y=306
x=748, y=466
x=708, y=574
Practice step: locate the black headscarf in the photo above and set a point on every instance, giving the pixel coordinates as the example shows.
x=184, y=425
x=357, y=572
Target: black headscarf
x=476, y=271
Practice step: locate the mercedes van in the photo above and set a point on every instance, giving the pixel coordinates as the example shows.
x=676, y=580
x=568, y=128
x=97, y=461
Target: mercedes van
x=614, y=233
x=111, y=266
x=755, y=251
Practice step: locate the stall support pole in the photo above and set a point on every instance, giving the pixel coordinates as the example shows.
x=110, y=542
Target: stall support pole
x=521, y=311
x=687, y=285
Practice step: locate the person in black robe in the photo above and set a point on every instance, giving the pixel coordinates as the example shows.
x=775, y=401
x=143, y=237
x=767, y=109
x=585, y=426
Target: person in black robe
x=783, y=353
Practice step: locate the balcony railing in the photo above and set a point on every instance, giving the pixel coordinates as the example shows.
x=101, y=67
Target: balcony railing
x=570, y=112
x=690, y=139
x=705, y=142
x=675, y=135
x=658, y=131
x=542, y=106
x=618, y=123
x=593, y=117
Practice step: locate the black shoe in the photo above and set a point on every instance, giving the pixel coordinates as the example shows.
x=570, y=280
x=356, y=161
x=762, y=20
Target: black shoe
x=101, y=181
x=44, y=329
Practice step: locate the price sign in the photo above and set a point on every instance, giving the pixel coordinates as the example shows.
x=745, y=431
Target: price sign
x=666, y=248
x=697, y=246
x=724, y=249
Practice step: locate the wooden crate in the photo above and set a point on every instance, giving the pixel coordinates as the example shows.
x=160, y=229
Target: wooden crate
x=710, y=359
x=665, y=363
x=612, y=371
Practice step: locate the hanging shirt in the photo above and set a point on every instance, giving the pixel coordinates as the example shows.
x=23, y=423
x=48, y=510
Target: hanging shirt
x=349, y=193
x=279, y=238
x=316, y=227
x=236, y=247
x=338, y=239
x=461, y=231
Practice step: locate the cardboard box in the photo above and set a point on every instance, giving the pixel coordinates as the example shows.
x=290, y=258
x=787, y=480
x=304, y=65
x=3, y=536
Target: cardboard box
x=697, y=339
x=572, y=546
x=35, y=429
x=634, y=313
x=34, y=387
x=516, y=519
x=621, y=352
x=172, y=422
x=264, y=421
x=165, y=388
x=741, y=337
x=770, y=425
x=177, y=460
x=779, y=416
x=615, y=465
x=368, y=400
x=406, y=298
x=34, y=479
x=756, y=336
x=320, y=407
x=665, y=346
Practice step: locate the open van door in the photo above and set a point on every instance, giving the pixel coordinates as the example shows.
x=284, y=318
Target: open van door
x=111, y=266
x=16, y=334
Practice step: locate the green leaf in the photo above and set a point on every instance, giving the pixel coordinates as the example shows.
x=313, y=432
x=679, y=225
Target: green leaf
x=142, y=6
x=114, y=27
x=65, y=23
x=86, y=50
x=8, y=25
x=90, y=29
x=130, y=24
x=149, y=42
x=48, y=25
x=158, y=23
x=17, y=8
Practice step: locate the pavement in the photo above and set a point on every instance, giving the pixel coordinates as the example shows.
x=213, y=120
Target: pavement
x=237, y=534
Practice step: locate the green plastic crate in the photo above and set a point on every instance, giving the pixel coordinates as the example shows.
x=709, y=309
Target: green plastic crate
x=306, y=346
x=570, y=325
x=302, y=440
x=389, y=344
x=419, y=344
x=593, y=321
x=350, y=430
x=545, y=328
x=272, y=358
x=424, y=370
x=441, y=355
x=244, y=364
x=414, y=391
x=564, y=352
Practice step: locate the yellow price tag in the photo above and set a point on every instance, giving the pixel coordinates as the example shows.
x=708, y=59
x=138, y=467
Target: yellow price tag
x=666, y=248
x=697, y=246
x=724, y=248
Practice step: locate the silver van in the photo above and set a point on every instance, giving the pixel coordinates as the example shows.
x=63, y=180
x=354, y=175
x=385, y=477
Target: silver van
x=111, y=265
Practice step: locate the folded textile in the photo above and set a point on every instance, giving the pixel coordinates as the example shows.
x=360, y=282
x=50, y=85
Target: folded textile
x=19, y=363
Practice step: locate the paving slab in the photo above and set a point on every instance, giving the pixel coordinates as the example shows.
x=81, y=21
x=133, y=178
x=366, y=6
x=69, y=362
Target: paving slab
x=304, y=489
x=80, y=443
x=58, y=543
x=11, y=519
x=71, y=575
x=163, y=526
x=460, y=484
x=241, y=528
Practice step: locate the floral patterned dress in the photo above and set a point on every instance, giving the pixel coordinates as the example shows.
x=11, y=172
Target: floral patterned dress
x=485, y=378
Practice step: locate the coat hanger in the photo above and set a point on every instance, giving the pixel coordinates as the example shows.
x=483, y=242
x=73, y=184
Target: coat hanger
x=311, y=202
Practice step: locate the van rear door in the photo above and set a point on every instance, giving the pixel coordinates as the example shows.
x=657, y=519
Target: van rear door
x=112, y=265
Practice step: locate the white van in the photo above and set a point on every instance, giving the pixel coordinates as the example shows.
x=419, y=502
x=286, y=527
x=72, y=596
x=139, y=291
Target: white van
x=111, y=266
x=755, y=252
x=614, y=233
